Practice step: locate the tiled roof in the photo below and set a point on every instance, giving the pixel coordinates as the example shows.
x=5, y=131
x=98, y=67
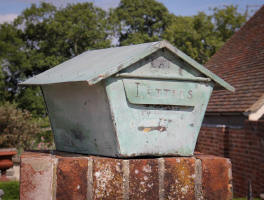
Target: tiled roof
x=240, y=62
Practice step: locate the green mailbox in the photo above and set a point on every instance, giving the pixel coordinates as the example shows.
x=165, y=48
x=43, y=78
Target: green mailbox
x=138, y=100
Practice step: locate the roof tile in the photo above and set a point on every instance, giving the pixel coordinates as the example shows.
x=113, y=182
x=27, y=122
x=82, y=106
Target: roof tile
x=240, y=62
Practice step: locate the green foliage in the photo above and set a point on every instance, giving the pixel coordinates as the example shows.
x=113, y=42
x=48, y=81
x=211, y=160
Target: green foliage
x=45, y=141
x=30, y=98
x=139, y=21
x=2, y=86
x=11, y=190
x=79, y=27
x=201, y=35
x=57, y=35
x=12, y=59
x=17, y=127
x=227, y=21
x=193, y=35
x=42, y=37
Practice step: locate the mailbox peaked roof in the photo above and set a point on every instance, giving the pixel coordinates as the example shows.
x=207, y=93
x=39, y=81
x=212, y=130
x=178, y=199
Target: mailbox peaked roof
x=95, y=65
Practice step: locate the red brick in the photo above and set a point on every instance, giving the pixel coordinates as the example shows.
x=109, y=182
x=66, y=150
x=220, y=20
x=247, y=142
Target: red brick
x=244, y=164
x=71, y=178
x=143, y=179
x=45, y=176
x=36, y=176
x=107, y=178
x=179, y=178
x=216, y=177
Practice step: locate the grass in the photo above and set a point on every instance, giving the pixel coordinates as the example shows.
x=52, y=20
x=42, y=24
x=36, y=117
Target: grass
x=11, y=190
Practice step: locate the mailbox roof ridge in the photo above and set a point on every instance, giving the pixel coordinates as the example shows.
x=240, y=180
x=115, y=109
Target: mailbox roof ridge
x=95, y=65
x=91, y=66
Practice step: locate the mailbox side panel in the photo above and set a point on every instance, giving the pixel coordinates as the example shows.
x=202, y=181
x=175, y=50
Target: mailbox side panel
x=80, y=118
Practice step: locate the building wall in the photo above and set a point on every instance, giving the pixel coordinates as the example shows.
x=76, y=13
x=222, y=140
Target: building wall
x=245, y=148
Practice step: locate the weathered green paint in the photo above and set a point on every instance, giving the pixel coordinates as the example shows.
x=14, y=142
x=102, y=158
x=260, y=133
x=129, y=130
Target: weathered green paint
x=163, y=92
x=81, y=118
x=156, y=129
x=151, y=101
x=195, y=79
x=161, y=64
x=94, y=66
x=158, y=116
x=188, y=60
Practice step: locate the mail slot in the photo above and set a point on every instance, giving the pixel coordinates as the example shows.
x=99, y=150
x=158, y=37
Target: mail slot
x=139, y=100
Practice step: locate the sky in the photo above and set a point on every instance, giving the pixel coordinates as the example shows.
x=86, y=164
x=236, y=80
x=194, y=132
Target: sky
x=10, y=9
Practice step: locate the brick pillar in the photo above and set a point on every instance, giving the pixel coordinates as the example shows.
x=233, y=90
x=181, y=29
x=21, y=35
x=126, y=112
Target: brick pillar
x=61, y=176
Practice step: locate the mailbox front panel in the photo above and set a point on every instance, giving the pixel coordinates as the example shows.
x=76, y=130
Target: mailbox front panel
x=148, y=124
x=164, y=64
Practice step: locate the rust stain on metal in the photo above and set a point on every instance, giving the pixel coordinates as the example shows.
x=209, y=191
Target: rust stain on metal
x=160, y=125
x=148, y=129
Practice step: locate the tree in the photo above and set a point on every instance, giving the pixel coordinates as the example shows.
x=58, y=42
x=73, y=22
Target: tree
x=193, y=35
x=43, y=37
x=227, y=21
x=78, y=28
x=16, y=65
x=17, y=127
x=2, y=86
x=182, y=34
x=201, y=35
x=75, y=28
x=30, y=98
x=138, y=21
x=12, y=59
